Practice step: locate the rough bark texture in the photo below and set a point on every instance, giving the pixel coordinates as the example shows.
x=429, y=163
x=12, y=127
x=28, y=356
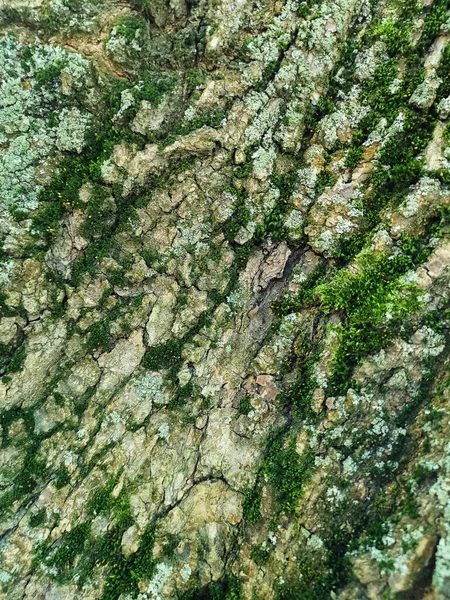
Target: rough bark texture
x=224, y=293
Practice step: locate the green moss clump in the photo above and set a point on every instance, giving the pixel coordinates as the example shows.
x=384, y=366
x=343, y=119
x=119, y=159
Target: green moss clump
x=17, y=360
x=260, y=554
x=38, y=518
x=99, y=337
x=72, y=546
x=286, y=470
x=306, y=295
x=151, y=87
x=316, y=581
x=78, y=552
x=8, y=417
x=49, y=76
x=353, y=157
x=128, y=27
x=366, y=297
x=125, y=573
x=151, y=257
x=273, y=225
x=299, y=394
x=128, y=43
x=324, y=180
x=251, y=505
x=245, y=405
x=228, y=588
x=196, y=78
x=436, y=17
x=100, y=214
x=240, y=217
x=33, y=472
x=164, y=356
x=183, y=393
x=62, y=478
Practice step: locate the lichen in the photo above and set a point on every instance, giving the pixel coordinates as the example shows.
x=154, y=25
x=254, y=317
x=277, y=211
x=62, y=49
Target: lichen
x=32, y=96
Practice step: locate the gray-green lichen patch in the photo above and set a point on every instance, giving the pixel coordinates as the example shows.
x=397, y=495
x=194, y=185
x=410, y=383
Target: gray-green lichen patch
x=63, y=17
x=38, y=85
x=71, y=15
x=71, y=131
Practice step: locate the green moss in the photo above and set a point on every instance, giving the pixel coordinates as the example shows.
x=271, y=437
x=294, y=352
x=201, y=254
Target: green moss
x=215, y=296
x=291, y=303
x=162, y=357
x=196, y=78
x=361, y=300
x=99, y=214
x=62, y=477
x=71, y=547
x=274, y=223
x=240, y=217
x=442, y=72
x=19, y=214
x=351, y=291
x=117, y=277
x=401, y=157
x=128, y=27
x=78, y=552
x=410, y=509
x=88, y=262
x=299, y=394
x=125, y=573
x=353, y=157
x=251, y=505
x=414, y=247
x=32, y=473
x=436, y=17
x=315, y=582
x=268, y=74
x=328, y=568
x=59, y=399
x=244, y=405
x=74, y=170
x=286, y=470
x=366, y=297
x=182, y=300
x=324, y=180
x=228, y=588
x=408, y=413
x=66, y=16
x=17, y=360
x=151, y=257
x=395, y=34
x=99, y=337
x=9, y=417
x=49, y=76
x=151, y=87
x=437, y=320
x=260, y=554
x=100, y=502
x=189, y=391
x=38, y=518
x=125, y=210
x=245, y=170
